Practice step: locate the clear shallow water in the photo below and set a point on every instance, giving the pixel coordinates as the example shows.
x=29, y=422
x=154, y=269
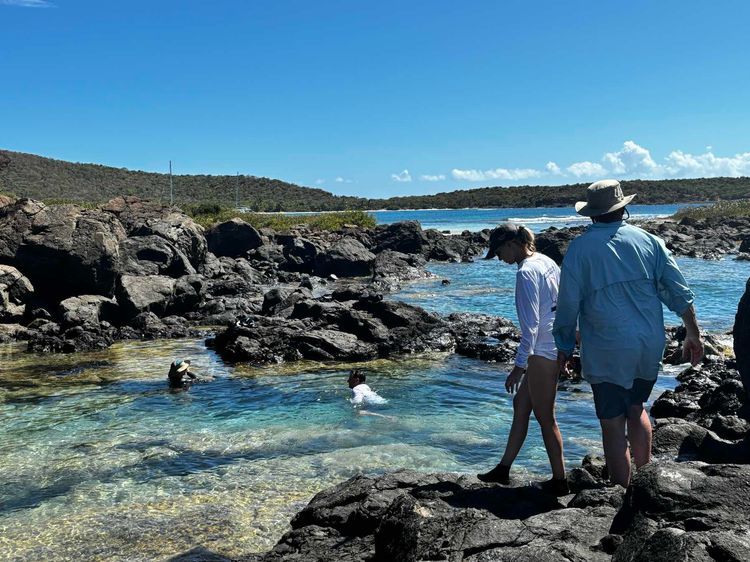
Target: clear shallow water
x=98, y=460
x=487, y=286
x=106, y=451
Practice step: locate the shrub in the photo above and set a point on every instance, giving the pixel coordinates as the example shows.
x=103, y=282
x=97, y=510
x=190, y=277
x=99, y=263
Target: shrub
x=722, y=209
x=208, y=215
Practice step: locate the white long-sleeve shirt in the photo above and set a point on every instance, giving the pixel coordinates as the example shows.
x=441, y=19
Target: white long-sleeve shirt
x=537, y=282
x=363, y=394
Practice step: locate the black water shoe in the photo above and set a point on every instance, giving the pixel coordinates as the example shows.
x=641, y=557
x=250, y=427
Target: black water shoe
x=556, y=486
x=499, y=474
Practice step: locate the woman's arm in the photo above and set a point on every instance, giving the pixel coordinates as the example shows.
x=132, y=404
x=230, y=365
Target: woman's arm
x=527, y=308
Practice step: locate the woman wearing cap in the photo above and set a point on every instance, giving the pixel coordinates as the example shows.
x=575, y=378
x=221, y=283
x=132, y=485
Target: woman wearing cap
x=534, y=376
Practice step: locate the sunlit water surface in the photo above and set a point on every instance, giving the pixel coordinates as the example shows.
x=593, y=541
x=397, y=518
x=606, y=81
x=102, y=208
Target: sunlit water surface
x=98, y=460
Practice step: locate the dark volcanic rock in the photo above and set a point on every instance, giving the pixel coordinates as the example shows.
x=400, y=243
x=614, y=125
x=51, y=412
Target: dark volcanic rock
x=15, y=291
x=355, y=324
x=233, y=238
x=686, y=511
x=702, y=238
x=146, y=218
x=391, y=268
x=63, y=250
x=299, y=253
x=406, y=237
x=153, y=255
x=489, y=338
x=345, y=258
x=51, y=338
x=150, y=293
x=554, y=242
x=407, y=516
x=88, y=311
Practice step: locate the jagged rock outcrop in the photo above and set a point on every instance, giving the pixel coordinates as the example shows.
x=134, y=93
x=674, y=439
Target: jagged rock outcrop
x=701, y=238
x=686, y=511
x=410, y=516
x=88, y=311
x=15, y=292
x=63, y=250
x=345, y=258
x=233, y=238
x=554, y=242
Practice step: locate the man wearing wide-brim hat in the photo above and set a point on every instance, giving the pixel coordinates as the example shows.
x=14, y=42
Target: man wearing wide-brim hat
x=614, y=279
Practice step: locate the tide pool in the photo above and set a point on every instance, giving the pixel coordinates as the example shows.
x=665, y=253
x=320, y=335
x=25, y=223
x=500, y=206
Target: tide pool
x=104, y=462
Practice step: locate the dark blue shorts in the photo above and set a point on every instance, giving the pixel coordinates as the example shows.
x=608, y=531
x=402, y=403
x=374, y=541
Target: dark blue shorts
x=612, y=400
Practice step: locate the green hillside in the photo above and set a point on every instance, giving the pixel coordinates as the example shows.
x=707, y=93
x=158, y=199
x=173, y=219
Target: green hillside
x=44, y=178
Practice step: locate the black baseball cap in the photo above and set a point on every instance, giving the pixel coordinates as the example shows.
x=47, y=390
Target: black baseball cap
x=499, y=236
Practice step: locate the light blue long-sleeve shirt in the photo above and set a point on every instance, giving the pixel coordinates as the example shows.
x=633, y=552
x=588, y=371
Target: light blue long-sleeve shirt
x=614, y=279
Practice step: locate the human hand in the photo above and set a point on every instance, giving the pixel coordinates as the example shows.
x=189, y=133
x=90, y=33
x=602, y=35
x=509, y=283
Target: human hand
x=563, y=363
x=692, y=349
x=513, y=380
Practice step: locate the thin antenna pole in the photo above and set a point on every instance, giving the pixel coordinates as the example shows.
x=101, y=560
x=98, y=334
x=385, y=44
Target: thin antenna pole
x=237, y=193
x=171, y=188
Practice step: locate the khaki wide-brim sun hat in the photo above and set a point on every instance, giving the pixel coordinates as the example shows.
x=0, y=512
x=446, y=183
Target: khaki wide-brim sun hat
x=603, y=197
x=181, y=365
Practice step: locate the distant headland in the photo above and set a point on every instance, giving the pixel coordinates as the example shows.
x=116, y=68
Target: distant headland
x=37, y=177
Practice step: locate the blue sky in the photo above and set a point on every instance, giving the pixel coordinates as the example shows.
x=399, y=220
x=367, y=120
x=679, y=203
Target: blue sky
x=382, y=98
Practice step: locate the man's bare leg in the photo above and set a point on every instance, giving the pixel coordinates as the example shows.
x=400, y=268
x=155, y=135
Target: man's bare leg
x=639, y=434
x=616, y=450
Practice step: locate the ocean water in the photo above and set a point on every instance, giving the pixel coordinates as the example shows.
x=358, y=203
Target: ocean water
x=539, y=218
x=100, y=461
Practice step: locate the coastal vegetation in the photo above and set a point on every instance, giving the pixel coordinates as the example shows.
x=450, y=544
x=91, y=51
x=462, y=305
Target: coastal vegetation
x=721, y=209
x=28, y=175
x=208, y=214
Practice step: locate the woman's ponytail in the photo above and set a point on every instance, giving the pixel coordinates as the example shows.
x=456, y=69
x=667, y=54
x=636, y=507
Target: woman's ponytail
x=526, y=238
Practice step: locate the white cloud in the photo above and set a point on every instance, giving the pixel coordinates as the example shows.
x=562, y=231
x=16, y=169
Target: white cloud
x=632, y=160
x=427, y=177
x=513, y=174
x=586, y=169
x=682, y=165
x=403, y=176
x=319, y=181
x=28, y=3
x=342, y=180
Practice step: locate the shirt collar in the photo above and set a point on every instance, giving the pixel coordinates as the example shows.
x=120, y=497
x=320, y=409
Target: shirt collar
x=605, y=225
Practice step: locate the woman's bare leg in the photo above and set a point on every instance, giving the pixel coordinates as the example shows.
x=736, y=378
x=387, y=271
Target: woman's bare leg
x=520, y=426
x=541, y=378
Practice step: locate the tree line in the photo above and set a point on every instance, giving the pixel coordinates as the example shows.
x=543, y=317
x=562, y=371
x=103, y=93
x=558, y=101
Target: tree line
x=28, y=175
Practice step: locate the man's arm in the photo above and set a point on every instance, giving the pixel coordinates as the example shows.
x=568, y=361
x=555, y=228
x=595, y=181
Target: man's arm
x=566, y=317
x=692, y=347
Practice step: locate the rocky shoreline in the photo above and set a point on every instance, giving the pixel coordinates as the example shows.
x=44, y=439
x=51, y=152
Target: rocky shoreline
x=75, y=279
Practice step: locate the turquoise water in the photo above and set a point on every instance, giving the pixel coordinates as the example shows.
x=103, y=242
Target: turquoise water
x=99, y=461
x=487, y=286
x=539, y=218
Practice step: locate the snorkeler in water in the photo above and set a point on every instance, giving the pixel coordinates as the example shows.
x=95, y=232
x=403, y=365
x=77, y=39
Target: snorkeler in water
x=361, y=392
x=180, y=376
